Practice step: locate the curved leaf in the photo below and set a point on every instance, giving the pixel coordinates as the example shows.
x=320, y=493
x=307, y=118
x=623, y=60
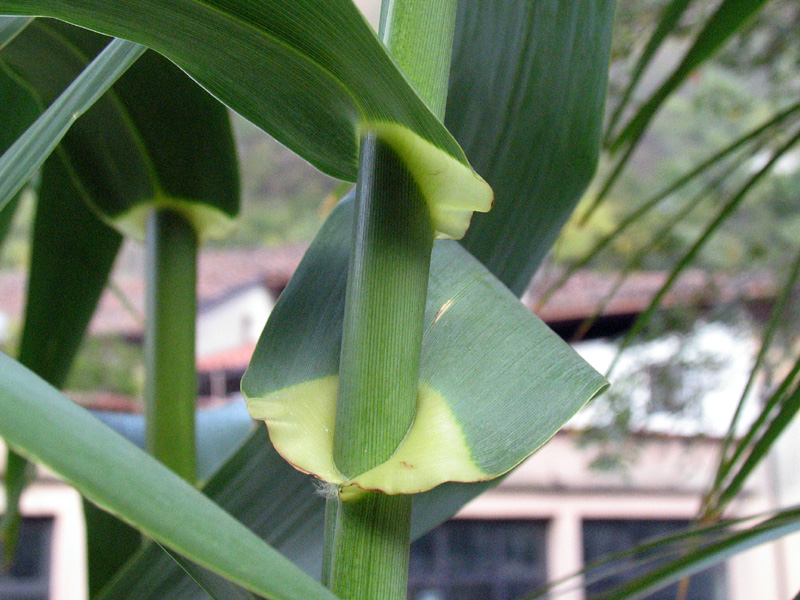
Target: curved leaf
x=113, y=473
x=526, y=98
x=168, y=142
x=470, y=425
x=312, y=74
x=28, y=153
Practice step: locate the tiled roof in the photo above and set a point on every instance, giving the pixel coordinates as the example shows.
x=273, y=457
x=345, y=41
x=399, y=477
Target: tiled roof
x=220, y=271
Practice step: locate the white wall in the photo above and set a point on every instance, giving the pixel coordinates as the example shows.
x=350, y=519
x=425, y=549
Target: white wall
x=234, y=323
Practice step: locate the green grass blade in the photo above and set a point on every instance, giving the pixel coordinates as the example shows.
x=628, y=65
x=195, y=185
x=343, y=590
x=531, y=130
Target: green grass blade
x=730, y=16
x=262, y=491
x=279, y=504
x=213, y=585
x=774, y=417
x=28, y=153
x=759, y=136
x=10, y=27
x=658, y=551
x=312, y=74
x=666, y=23
x=694, y=560
x=526, y=99
x=19, y=111
x=723, y=214
x=775, y=321
x=116, y=475
x=15, y=478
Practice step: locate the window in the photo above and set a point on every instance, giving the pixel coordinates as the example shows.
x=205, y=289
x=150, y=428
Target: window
x=28, y=578
x=478, y=560
x=604, y=537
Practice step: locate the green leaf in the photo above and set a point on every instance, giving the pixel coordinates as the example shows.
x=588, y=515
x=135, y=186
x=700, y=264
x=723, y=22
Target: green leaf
x=526, y=99
x=674, y=557
x=312, y=74
x=727, y=457
x=725, y=212
x=729, y=17
x=753, y=140
x=469, y=425
x=262, y=491
x=695, y=559
x=28, y=153
x=168, y=142
x=113, y=473
x=669, y=18
x=279, y=504
x=19, y=111
x=10, y=28
x=216, y=587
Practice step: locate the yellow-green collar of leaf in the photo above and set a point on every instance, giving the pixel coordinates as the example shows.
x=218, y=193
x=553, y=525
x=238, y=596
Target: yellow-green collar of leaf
x=301, y=425
x=451, y=188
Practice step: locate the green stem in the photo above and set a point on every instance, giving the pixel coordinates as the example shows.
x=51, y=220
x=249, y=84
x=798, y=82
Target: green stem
x=171, y=382
x=368, y=536
x=16, y=478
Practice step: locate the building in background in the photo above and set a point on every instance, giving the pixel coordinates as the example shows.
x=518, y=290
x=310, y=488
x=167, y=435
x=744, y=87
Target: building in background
x=562, y=509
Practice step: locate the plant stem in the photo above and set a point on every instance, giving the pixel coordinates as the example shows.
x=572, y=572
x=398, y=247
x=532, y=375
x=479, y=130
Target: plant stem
x=171, y=382
x=368, y=537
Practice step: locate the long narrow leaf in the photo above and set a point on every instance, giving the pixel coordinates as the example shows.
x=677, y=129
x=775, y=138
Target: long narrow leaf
x=116, y=475
x=724, y=213
x=729, y=17
x=216, y=587
x=775, y=320
x=28, y=153
x=758, y=136
x=658, y=551
x=698, y=559
x=775, y=416
x=666, y=23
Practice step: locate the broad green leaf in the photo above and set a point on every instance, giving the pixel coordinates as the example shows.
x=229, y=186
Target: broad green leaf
x=10, y=28
x=469, y=425
x=279, y=504
x=526, y=99
x=28, y=153
x=168, y=141
x=67, y=275
x=68, y=272
x=38, y=421
x=312, y=74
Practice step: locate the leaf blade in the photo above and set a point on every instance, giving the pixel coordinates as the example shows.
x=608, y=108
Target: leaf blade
x=114, y=474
